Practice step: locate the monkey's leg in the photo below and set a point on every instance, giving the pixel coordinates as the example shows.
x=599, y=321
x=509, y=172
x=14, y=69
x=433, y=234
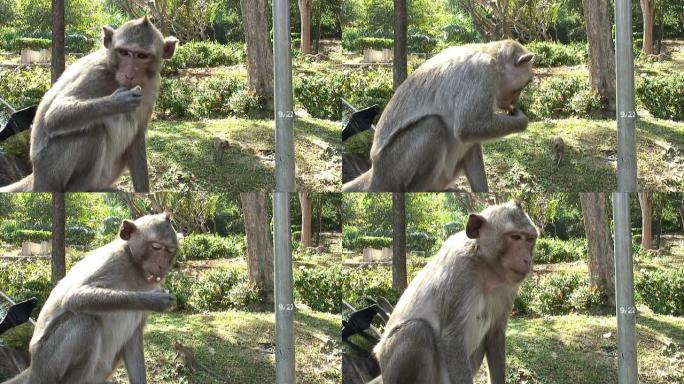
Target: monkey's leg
x=473, y=165
x=495, y=343
x=411, y=355
x=136, y=158
x=69, y=354
x=134, y=357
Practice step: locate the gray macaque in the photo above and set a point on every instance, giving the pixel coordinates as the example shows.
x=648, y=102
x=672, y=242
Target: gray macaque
x=455, y=311
x=94, y=317
x=432, y=127
x=91, y=124
x=558, y=150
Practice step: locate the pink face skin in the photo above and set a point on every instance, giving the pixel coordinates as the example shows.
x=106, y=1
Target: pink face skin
x=517, y=261
x=133, y=65
x=158, y=260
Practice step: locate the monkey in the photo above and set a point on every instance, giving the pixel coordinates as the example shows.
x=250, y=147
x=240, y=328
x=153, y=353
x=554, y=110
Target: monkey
x=220, y=146
x=92, y=123
x=9, y=171
x=432, y=128
x=186, y=355
x=94, y=317
x=455, y=311
x=558, y=149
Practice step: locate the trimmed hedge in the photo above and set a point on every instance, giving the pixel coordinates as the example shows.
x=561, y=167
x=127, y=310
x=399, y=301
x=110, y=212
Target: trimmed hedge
x=35, y=44
x=550, y=250
x=662, y=291
x=211, y=247
x=204, y=54
x=663, y=95
x=559, y=97
x=552, y=54
x=556, y=294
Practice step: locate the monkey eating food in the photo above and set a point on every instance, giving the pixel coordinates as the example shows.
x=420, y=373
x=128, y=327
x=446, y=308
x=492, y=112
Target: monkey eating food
x=94, y=317
x=455, y=311
x=433, y=126
x=91, y=124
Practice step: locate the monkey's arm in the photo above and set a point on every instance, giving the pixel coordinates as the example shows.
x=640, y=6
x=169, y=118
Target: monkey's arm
x=488, y=125
x=136, y=158
x=68, y=114
x=495, y=343
x=90, y=298
x=473, y=165
x=134, y=357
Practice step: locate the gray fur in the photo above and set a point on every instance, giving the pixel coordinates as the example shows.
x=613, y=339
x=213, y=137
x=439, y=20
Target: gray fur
x=95, y=315
x=88, y=128
x=442, y=110
x=432, y=335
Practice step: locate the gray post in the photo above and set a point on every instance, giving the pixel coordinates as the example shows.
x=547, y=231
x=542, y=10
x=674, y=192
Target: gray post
x=284, y=301
x=624, y=291
x=626, y=115
x=282, y=89
x=285, y=183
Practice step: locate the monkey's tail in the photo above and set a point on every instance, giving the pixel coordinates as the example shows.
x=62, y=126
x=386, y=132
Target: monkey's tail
x=23, y=185
x=22, y=378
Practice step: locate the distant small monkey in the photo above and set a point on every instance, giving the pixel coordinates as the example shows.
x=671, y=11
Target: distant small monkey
x=220, y=145
x=91, y=124
x=558, y=149
x=186, y=356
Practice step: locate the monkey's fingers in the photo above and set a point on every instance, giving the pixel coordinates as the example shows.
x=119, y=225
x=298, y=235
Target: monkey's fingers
x=137, y=90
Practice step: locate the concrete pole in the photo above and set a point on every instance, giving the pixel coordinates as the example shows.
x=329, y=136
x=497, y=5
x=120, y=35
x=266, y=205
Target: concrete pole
x=624, y=291
x=626, y=114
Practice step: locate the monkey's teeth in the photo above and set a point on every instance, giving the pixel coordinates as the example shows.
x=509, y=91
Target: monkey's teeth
x=158, y=278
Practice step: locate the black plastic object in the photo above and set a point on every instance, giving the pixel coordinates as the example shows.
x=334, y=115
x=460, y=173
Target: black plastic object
x=360, y=121
x=359, y=321
x=18, y=314
x=19, y=121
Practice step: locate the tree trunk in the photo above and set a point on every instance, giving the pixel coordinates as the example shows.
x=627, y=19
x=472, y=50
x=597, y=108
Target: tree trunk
x=259, y=243
x=681, y=211
x=599, y=244
x=399, y=275
x=57, y=62
x=647, y=13
x=259, y=49
x=58, y=237
x=646, y=203
x=305, y=202
x=305, y=21
x=400, y=67
x=601, y=51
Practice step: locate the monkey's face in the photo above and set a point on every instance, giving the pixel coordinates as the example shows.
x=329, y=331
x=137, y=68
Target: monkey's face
x=516, y=76
x=136, y=50
x=517, y=257
x=153, y=245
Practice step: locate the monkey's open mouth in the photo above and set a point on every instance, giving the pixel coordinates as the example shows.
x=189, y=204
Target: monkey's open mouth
x=151, y=277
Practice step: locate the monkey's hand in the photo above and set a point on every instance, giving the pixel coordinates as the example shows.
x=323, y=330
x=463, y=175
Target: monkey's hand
x=520, y=117
x=126, y=100
x=161, y=301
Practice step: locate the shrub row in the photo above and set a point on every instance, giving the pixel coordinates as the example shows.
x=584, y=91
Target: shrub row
x=23, y=87
x=216, y=96
x=552, y=54
x=556, y=294
x=417, y=41
x=10, y=41
x=204, y=54
x=663, y=95
x=211, y=247
x=662, y=291
x=550, y=250
x=560, y=97
x=12, y=233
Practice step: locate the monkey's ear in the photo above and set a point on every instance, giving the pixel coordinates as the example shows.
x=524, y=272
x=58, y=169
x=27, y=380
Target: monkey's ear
x=127, y=229
x=475, y=223
x=526, y=58
x=167, y=216
x=169, y=47
x=108, y=35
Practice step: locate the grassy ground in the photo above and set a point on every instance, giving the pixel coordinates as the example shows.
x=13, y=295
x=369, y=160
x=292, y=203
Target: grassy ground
x=525, y=161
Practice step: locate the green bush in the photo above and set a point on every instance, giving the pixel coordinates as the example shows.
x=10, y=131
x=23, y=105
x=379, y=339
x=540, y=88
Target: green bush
x=419, y=241
x=419, y=41
x=211, y=247
x=246, y=104
x=360, y=283
x=350, y=236
x=175, y=98
x=662, y=291
x=584, y=298
x=550, y=250
x=204, y=54
x=559, y=97
x=24, y=280
x=663, y=95
x=23, y=87
x=211, y=290
x=35, y=236
x=181, y=285
x=243, y=295
x=8, y=39
x=350, y=39
x=79, y=235
x=212, y=96
x=319, y=288
x=79, y=43
x=556, y=294
x=8, y=231
x=552, y=54
x=35, y=44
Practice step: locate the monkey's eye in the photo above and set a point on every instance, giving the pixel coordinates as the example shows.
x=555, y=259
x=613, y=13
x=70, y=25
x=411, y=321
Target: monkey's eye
x=171, y=250
x=123, y=52
x=156, y=246
x=531, y=240
x=516, y=237
x=142, y=56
